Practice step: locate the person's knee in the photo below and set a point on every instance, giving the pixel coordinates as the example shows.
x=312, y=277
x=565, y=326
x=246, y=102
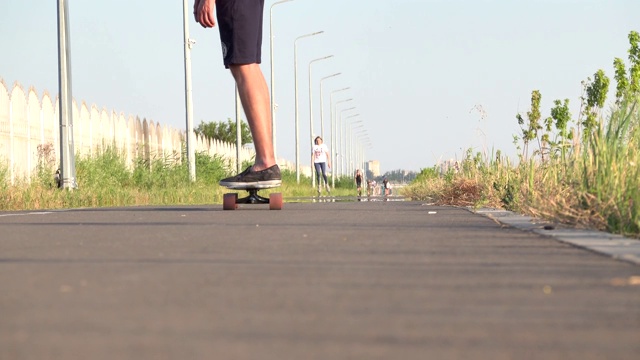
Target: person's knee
x=238, y=72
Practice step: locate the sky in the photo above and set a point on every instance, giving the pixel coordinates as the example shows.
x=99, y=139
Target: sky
x=428, y=79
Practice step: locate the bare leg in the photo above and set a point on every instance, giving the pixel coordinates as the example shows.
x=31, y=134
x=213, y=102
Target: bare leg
x=254, y=95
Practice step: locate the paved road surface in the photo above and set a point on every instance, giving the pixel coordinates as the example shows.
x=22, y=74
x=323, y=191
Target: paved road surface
x=367, y=280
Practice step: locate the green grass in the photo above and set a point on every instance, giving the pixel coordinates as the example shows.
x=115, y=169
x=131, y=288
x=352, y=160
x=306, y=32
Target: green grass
x=594, y=183
x=104, y=180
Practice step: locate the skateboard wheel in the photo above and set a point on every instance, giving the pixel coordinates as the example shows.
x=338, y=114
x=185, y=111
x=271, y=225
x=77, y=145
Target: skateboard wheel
x=229, y=201
x=275, y=201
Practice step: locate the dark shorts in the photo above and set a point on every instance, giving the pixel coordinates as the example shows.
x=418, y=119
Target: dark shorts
x=240, y=24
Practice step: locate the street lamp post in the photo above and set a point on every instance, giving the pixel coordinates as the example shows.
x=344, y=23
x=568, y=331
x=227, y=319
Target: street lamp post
x=191, y=141
x=295, y=80
x=322, y=104
x=333, y=143
x=313, y=179
x=358, y=149
x=65, y=102
x=352, y=152
x=347, y=133
x=342, y=141
x=365, y=142
x=341, y=151
x=334, y=136
x=347, y=142
x=273, y=81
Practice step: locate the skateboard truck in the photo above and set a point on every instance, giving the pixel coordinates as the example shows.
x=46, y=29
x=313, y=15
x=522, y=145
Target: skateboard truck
x=231, y=200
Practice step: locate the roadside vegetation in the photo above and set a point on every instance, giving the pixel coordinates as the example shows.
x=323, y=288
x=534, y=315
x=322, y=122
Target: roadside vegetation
x=104, y=180
x=582, y=170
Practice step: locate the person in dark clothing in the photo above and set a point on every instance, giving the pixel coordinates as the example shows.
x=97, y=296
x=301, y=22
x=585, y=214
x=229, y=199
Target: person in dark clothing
x=358, y=179
x=240, y=24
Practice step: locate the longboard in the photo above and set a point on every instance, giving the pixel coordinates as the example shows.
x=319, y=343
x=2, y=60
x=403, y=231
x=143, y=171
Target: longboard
x=230, y=201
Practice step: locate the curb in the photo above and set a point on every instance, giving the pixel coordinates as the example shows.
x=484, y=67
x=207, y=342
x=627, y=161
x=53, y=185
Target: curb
x=615, y=246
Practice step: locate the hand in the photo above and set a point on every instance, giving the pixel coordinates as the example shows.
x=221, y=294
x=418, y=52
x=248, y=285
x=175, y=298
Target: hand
x=203, y=12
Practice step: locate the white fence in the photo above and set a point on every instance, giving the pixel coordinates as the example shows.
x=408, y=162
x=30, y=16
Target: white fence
x=29, y=124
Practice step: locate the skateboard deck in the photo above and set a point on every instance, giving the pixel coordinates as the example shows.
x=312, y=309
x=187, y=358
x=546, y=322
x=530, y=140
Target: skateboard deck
x=230, y=201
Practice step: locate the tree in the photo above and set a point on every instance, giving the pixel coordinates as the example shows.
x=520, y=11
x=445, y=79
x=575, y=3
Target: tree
x=634, y=59
x=224, y=131
x=628, y=84
x=596, y=91
x=562, y=116
x=530, y=132
x=621, y=80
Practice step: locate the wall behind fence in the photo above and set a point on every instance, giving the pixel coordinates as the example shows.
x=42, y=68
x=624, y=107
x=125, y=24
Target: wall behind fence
x=30, y=132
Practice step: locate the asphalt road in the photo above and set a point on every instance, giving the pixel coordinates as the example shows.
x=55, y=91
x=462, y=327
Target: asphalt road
x=348, y=280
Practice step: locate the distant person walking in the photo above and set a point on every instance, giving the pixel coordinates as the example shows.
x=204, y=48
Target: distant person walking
x=320, y=156
x=385, y=186
x=358, y=179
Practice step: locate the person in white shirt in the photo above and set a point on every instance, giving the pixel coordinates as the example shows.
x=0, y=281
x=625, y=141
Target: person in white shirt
x=321, y=159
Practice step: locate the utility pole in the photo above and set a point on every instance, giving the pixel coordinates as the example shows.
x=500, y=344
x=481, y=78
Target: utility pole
x=67, y=176
x=191, y=141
